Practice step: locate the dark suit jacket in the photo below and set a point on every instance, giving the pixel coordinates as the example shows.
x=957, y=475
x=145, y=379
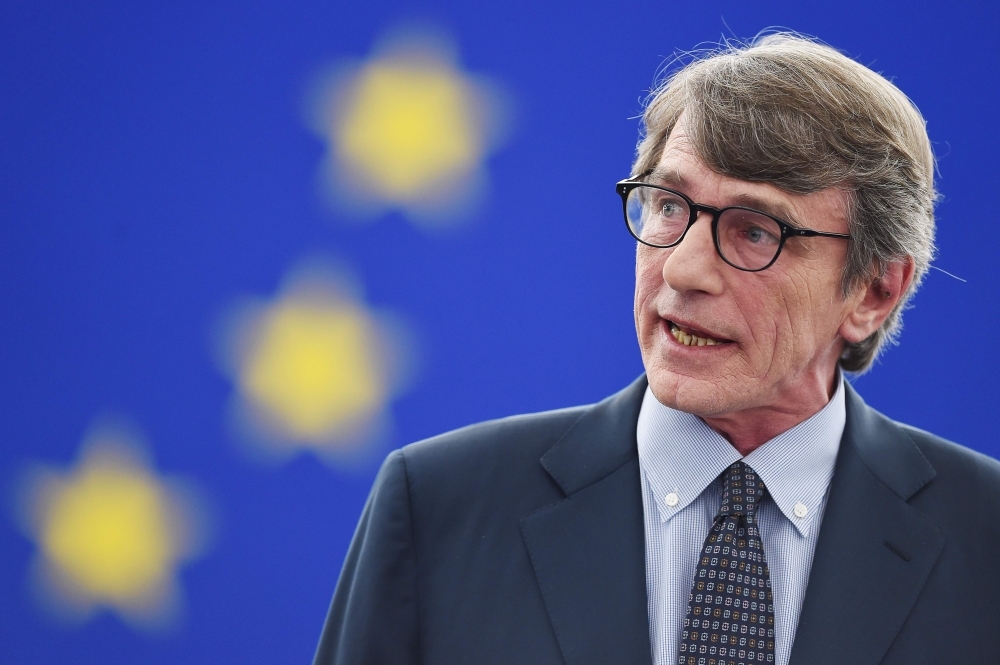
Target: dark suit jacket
x=521, y=541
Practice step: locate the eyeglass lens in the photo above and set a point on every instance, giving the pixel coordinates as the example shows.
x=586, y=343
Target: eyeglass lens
x=746, y=239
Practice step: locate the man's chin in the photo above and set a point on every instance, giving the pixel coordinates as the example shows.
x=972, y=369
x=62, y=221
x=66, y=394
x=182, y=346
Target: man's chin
x=701, y=397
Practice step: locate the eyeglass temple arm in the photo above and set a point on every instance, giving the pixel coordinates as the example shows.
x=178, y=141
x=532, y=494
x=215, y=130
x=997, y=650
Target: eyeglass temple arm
x=809, y=233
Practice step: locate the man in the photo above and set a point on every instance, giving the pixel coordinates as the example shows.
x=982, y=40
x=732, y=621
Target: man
x=744, y=505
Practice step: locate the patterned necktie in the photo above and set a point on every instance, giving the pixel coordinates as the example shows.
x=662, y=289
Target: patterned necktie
x=730, y=617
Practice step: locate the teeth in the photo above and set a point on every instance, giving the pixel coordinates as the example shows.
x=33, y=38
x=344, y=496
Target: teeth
x=690, y=340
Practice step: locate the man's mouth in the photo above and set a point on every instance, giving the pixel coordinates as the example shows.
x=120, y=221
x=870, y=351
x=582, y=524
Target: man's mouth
x=693, y=337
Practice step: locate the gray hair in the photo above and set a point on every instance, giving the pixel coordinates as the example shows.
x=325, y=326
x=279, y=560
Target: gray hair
x=799, y=115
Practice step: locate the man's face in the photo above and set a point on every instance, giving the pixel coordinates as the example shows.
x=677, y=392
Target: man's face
x=777, y=329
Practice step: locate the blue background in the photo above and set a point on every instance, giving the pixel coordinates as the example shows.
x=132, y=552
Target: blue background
x=154, y=164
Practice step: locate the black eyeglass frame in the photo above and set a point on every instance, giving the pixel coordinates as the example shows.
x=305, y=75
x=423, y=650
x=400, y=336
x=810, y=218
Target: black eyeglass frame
x=625, y=187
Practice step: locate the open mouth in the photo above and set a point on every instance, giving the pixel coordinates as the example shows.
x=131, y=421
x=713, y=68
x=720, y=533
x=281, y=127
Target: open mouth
x=692, y=337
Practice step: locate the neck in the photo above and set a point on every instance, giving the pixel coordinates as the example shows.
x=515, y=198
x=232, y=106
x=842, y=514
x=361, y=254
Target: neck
x=751, y=428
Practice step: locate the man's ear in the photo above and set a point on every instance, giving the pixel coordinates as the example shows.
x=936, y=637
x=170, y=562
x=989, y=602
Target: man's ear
x=879, y=299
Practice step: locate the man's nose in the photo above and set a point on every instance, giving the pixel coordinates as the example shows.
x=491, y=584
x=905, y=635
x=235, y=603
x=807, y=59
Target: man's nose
x=694, y=265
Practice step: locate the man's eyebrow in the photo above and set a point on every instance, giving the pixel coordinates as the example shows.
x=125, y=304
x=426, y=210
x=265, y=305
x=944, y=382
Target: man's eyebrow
x=774, y=208
x=667, y=177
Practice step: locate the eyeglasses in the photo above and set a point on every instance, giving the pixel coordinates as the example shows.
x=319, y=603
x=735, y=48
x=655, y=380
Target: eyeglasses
x=745, y=238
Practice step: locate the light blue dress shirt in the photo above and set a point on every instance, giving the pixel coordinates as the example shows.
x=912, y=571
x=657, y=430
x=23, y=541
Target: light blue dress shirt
x=681, y=459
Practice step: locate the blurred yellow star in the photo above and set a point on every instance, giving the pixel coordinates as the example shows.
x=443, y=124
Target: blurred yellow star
x=409, y=129
x=408, y=125
x=110, y=532
x=315, y=368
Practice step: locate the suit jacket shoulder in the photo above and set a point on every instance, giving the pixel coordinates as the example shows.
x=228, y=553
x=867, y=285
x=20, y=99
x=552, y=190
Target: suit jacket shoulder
x=452, y=561
x=487, y=464
x=965, y=474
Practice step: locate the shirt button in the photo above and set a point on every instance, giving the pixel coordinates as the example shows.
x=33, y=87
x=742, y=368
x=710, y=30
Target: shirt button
x=800, y=510
x=671, y=499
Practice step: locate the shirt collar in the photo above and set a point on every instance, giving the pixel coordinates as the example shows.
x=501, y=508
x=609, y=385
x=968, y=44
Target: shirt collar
x=680, y=456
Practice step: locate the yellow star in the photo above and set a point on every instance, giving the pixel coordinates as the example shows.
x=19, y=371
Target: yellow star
x=110, y=532
x=408, y=125
x=408, y=129
x=315, y=368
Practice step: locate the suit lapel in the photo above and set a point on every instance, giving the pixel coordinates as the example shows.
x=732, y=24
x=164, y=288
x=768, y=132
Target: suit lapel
x=874, y=552
x=588, y=550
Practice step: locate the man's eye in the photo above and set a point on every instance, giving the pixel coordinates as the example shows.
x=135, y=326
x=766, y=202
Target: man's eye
x=670, y=208
x=757, y=235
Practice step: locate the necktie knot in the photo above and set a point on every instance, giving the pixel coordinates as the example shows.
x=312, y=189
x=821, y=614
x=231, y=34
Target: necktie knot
x=742, y=490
